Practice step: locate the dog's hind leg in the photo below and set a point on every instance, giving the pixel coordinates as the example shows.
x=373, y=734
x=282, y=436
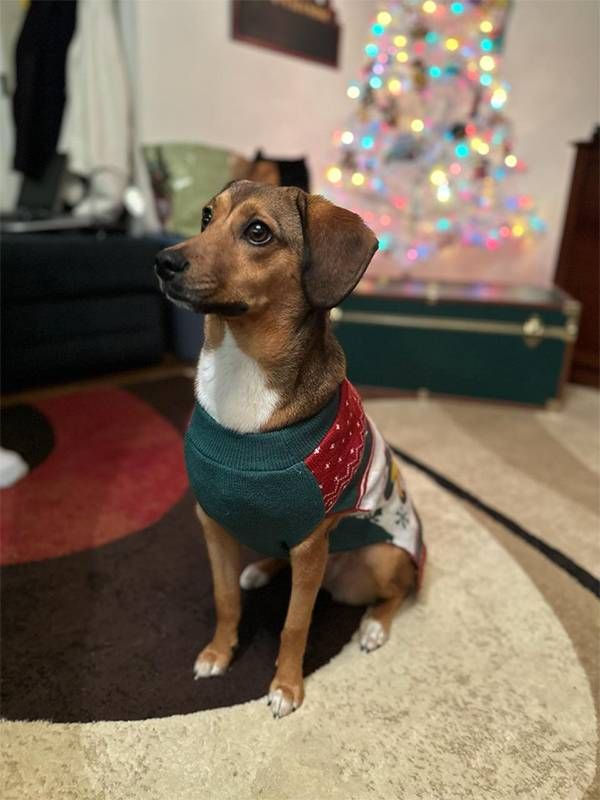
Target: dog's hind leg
x=375, y=625
x=261, y=572
x=395, y=576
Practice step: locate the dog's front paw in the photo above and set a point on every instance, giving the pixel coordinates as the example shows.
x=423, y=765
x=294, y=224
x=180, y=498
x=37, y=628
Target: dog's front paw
x=211, y=662
x=285, y=697
x=372, y=634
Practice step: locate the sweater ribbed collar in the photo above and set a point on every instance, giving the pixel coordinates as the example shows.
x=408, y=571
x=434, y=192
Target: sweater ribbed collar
x=259, y=452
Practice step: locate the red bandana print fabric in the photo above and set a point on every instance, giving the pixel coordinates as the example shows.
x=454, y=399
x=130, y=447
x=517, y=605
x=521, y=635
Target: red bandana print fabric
x=335, y=460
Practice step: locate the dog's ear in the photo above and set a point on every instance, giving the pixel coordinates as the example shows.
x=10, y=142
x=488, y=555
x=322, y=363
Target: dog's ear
x=239, y=167
x=338, y=247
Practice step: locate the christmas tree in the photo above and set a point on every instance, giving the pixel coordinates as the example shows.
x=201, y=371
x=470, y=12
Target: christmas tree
x=427, y=158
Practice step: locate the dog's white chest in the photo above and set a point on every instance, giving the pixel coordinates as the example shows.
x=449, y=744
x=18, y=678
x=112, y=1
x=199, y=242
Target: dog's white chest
x=233, y=388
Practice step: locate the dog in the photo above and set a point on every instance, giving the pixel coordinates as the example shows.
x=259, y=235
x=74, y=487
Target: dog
x=280, y=453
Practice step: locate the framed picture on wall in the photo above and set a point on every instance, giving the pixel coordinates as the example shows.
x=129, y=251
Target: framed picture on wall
x=304, y=28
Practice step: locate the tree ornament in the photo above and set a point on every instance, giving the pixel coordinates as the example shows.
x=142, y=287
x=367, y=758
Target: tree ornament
x=481, y=169
x=349, y=160
x=404, y=148
x=390, y=111
x=367, y=97
x=419, y=75
x=458, y=130
x=419, y=31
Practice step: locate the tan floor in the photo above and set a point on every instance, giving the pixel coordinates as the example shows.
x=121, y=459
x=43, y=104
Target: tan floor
x=484, y=690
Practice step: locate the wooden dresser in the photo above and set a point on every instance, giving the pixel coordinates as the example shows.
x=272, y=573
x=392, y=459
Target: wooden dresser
x=579, y=259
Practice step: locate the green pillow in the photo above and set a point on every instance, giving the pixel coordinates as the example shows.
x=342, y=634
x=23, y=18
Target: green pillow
x=184, y=176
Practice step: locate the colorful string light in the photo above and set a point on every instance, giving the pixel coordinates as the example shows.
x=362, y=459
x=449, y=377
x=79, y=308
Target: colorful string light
x=334, y=174
x=443, y=193
x=409, y=152
x=499, y=98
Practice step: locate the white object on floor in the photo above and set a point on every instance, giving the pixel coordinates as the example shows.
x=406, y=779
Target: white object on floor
x=12, y=468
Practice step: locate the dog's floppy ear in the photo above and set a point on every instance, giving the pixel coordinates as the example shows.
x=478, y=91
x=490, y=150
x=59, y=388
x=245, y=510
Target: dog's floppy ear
x=338, y=247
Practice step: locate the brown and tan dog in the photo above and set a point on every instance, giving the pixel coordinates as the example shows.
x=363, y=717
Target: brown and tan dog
x=266, y=268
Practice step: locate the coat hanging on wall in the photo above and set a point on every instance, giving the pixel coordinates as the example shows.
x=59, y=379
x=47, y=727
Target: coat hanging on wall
x=96, y=128
x=39, y=98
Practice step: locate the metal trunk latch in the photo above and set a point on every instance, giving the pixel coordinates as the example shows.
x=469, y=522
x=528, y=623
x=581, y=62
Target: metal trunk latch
x=335, y=315
x=533, y=330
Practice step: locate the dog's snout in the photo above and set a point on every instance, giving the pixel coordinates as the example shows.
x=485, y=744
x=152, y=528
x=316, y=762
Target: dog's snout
x=169, y=263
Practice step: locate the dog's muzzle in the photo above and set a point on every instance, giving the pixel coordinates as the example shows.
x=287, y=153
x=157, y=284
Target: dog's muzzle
x=170, y=266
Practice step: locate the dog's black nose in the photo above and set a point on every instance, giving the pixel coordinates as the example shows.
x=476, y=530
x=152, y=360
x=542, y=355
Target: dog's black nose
x=169, y=262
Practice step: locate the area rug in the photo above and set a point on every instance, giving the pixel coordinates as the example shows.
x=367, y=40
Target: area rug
x=487, y=688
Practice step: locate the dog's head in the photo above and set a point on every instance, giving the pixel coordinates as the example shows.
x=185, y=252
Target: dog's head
x=259, y=244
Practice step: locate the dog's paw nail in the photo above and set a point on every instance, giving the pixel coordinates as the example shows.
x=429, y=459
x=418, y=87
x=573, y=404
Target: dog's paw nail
x=202, y=669
x=253, y=578
x=280, y=705
x=372, y=635
x=207, y=669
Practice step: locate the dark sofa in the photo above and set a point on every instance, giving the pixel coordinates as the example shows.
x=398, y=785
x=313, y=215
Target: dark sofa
x=78, y=304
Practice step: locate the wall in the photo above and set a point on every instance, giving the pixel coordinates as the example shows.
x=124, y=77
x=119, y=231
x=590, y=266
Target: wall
x=198, y=84
x=552, y=63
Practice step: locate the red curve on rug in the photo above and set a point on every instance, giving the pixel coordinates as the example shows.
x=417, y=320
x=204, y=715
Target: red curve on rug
x=117, y=467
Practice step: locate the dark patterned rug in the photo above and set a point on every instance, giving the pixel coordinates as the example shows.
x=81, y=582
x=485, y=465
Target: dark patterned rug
x=106, y=590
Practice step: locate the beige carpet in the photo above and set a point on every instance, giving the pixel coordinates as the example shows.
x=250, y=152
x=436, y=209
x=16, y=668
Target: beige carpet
x=487, y=689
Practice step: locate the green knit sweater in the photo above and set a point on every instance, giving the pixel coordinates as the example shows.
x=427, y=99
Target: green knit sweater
x=270, y=490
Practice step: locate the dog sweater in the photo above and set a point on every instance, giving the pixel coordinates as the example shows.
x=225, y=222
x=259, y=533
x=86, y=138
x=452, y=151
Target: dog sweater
x=270, y=490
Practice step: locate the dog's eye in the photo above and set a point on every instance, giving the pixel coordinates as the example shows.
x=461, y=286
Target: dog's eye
x=258, y=233
x=206, y=216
